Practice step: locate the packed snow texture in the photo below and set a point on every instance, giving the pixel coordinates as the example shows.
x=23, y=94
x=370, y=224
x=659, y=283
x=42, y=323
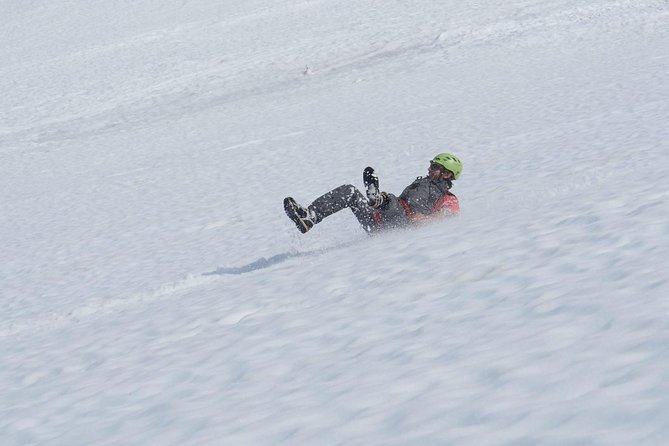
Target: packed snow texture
x=154, y=293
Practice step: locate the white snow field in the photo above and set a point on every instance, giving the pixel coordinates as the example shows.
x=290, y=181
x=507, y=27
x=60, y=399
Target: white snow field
x=153, y=291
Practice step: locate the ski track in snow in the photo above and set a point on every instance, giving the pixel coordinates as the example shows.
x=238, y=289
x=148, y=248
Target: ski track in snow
x=93, y=308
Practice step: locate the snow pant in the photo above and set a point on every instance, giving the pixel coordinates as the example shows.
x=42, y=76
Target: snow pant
x=390, y=215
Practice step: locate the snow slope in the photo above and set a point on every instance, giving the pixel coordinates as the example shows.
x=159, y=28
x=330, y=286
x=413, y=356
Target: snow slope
x=153, y=291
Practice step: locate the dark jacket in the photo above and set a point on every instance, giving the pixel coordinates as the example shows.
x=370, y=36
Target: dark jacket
x=422, y=200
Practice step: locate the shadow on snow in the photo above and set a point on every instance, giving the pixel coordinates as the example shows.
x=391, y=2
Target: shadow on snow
x=266, y=262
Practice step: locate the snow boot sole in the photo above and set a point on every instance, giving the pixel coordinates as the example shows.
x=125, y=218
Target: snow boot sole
x=297, y=214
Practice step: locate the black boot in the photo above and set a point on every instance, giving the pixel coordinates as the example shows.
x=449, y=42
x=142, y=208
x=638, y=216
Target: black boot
x=303, y=217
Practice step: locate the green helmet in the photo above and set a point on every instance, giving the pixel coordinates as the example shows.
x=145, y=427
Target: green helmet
x=449, y=162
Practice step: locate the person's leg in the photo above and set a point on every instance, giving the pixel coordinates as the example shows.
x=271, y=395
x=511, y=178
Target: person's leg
x=345, y=196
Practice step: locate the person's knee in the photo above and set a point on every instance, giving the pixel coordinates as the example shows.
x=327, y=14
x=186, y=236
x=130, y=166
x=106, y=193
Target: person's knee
x=347, y=191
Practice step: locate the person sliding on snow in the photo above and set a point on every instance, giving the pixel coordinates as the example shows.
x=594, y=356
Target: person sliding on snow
x=423, y=200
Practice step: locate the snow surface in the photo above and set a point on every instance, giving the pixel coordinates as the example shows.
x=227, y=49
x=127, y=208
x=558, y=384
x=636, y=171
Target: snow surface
x=154, y=293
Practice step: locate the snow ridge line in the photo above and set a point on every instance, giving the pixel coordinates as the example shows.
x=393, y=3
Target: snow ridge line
x=177, y=95
x=466, y=35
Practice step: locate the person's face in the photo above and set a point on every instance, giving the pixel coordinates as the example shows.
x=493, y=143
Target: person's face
x=437, y=172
